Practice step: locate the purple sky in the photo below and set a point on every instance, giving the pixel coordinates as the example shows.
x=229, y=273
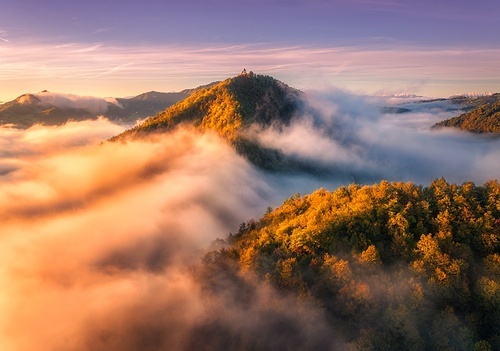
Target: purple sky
x=121, y=48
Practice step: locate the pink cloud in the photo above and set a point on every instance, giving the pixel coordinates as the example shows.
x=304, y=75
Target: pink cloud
x=120, y=71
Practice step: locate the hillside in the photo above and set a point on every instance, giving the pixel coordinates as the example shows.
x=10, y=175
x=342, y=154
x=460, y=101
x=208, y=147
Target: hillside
x=143, y=105
x=483, y=119
x=393, y=266
x=146, y=104
x=227, y=108
x=56, y=109
x=28, y=110
x=230, y=108
x=475, y=101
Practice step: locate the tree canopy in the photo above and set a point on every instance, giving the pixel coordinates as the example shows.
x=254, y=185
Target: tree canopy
x=483, y=119
x=229, y=108
x=394, y=266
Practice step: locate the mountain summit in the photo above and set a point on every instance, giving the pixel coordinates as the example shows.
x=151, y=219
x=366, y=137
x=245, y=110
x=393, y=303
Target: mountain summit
x=230, y=108
x=227, y=108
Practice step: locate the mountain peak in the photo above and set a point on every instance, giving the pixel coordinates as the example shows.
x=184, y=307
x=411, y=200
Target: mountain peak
x=27, y=99
x=228, y=107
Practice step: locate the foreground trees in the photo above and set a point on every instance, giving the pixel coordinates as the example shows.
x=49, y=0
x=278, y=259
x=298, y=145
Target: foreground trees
x=392, y=265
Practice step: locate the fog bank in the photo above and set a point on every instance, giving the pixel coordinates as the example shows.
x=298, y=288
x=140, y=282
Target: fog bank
x=100, y=243
x=349, y=135
x=99, y=238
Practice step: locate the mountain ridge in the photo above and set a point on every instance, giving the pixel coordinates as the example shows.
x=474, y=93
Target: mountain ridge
x=28, y=109
x=485, y=118
x=41, y=108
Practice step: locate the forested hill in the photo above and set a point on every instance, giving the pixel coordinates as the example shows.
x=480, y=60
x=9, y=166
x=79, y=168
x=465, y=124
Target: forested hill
x=393, y=266
x=483, y=119
x=229, y=108
x=56, y=109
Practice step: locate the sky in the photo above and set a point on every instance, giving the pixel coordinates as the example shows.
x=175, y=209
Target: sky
x=114, y=48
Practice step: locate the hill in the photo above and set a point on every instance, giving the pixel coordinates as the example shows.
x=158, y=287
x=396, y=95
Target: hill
x=143, y=105
x=28, y=110
x=56, y=109
x=230, y=108
x=227, y=108
x=146, y=104
x=475, y=101
x=482, y=119
x=393, y=266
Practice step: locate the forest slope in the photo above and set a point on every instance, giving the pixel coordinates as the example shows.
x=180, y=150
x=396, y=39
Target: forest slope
x=229, y=109
x=394, y=266
x=483, y=119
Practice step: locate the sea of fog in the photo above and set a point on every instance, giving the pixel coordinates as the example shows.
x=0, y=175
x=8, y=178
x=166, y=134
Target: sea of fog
x=96, y=239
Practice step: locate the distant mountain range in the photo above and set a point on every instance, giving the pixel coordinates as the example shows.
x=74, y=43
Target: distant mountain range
x=54, y=109
x=28, y=109
x=227, y=107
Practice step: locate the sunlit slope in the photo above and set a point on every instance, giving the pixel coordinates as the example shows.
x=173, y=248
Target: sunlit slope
x=394, y=266
x=483, y=119
x=230, y=108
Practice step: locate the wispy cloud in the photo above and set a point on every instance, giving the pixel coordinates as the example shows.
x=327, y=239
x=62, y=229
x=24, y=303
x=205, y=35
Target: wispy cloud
x=91, y=104
x=87, y=49
x=114, y=69
x=3, y=36
x=101, y=30
x=134, y=69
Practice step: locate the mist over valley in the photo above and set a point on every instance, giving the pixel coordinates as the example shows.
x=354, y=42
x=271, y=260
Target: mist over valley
x=187, y=230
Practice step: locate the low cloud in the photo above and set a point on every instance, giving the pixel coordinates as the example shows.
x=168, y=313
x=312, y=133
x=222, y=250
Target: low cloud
x=421, y=114
x=92, y=104
x=100, y=243
x=346, y=132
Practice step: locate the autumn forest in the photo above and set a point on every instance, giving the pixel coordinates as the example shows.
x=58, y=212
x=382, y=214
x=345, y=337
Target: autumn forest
x=391, y=265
